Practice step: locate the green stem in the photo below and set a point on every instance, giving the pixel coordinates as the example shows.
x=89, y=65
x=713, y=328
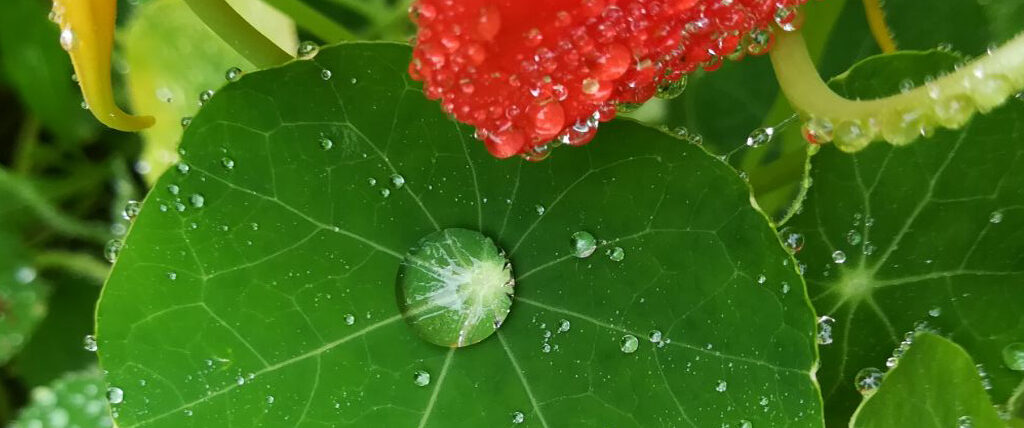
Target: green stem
x=238, y=33
x=28, y=138
x=312, y=20
x=949, y=101
x=49, y=214
x=80, y=264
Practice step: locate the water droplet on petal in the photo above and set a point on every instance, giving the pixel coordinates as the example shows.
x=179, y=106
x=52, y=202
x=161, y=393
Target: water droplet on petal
x=132, y=209
x=307, y=50
x=197, y=200
x=397, y=181
x=839, y=257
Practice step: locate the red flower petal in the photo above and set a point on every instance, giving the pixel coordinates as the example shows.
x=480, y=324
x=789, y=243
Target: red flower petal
x=529, y=72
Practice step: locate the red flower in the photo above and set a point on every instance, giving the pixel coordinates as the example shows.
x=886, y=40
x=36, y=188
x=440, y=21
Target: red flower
x=526, y=73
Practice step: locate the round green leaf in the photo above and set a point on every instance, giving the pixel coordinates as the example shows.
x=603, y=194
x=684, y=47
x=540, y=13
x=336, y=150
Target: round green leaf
x=258, y=284
x=929, y=233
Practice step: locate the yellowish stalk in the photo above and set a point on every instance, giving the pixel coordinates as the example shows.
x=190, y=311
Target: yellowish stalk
x=879, y=29
x=87, y=33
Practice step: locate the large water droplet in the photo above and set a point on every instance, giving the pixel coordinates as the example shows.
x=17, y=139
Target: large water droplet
x=518, y=418
x=455, y=287
x=583, y=244
x=818, y=130
x=67, y=38
x=839, y=257
x=996, y=217
x=197, y=200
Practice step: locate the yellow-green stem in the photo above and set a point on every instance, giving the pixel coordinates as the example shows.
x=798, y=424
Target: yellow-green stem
x=238, y=33
x=980, y=85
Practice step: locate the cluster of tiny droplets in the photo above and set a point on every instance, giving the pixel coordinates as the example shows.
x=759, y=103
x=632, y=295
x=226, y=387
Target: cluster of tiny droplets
x=533, y=76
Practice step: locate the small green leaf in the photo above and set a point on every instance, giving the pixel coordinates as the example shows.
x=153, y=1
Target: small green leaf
x=74, y=400
x=22, y=298
x=931, y=233
x=935, y=385
x=264, y=290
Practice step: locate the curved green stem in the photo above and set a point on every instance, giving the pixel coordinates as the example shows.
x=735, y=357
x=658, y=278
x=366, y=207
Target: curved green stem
x=80, y=264
x=238, y=33
x=879, y=29
x=312, y=20
x=49, y=214
x=948, y=101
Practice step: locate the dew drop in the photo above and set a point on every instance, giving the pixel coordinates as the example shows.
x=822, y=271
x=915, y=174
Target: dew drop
x=616, y=254
x=112, y=250
x=868, y=380
x=270, y=399
x=721, y=386
x=852, y=136
x=853, y=237
x=996, y=217
x=350, y=319
x=518, y=418
x=1013, y=356
x=839, y=257
x=564, y=326
x=818, y=130
x=540, y=209
x=965, y=422
x=654, y=336
x=67, y=38
x=186, y=121
x=397, y=181
x=205, y=96
x=825, y=324
x=325, y=143
x=307, y=50
x=325, y=74
x=629, y=344
x=115, y=395
x=385, y=192
x=227, y=163
x=197, y=200
x=760, y=137
x=421, y=378
x=794, y=241
x=669, y=89
x=233, y=74
x=583, y=244
x=89, y=343
x=132, y=209
x=935, y=312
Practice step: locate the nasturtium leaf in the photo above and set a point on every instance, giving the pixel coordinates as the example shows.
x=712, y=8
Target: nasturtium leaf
x=172, y=57
x=931, y=233
x=22, y=298
x=935, y=385
x=258, y=284
x=76, y=399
